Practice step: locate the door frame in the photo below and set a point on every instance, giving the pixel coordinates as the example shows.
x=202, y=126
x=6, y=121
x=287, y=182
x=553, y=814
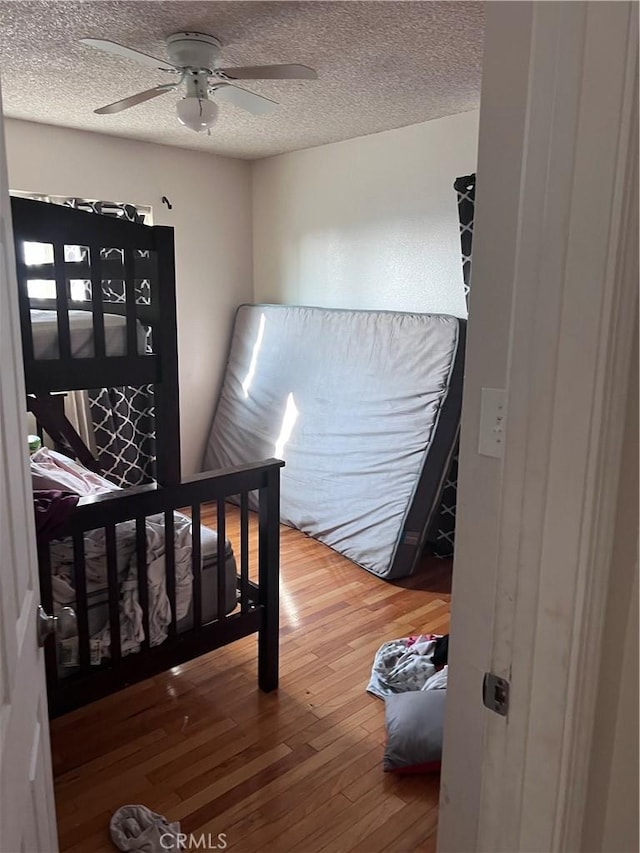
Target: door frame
x=535, y=529
x=27, y=807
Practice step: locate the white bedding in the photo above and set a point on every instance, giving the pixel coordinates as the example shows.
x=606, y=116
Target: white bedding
x=51, y=470
x=44, y=328
x=131, y=625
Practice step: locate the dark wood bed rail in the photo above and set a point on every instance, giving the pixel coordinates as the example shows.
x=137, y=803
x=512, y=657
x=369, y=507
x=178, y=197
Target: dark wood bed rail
x=44, y=223
x=257, y=608
x=46, y=375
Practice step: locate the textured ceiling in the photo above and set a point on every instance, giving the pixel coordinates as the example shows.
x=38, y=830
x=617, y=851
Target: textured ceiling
x=381, y=65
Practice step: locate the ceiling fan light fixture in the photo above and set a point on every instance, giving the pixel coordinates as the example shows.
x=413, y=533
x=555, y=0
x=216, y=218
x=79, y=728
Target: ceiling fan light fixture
x=197, y=113
x=194, y=58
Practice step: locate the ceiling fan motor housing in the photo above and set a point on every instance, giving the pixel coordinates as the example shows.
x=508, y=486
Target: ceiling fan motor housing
x=193, y=50
x=195, y=59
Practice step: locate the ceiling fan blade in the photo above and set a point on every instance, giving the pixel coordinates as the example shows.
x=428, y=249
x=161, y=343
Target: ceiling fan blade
x=249, y=101
x=129, y=53
x=132, y=100
x=270, y=72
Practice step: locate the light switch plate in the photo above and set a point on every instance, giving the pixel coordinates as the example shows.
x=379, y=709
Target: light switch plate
x=493, y=422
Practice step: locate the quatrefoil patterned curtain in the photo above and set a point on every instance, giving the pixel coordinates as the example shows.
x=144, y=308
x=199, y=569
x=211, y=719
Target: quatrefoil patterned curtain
x=123, y=418
x=443, y=536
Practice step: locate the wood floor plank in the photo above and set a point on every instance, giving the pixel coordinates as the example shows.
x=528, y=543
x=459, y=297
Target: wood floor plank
x=298, y=770
x=109, y=759
x=291, y=779
x=175, y=748
x=300, y=782
x=352, y=825
x=286, y=835
x=280, y=814
x=421, y=835
x=400, y=833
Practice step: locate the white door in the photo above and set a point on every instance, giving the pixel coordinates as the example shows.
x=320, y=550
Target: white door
x=553, y=305
x=27, y=812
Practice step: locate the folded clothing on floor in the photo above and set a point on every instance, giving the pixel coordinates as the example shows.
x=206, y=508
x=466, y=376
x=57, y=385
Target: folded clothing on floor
x=405, y=665
x=139, y=830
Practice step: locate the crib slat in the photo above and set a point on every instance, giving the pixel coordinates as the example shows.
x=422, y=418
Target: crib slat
x=196, y=565
x=62, y=302
x=269, y=580
x=25, y=304
x=244, y=552
x=46, y=599
x=130, y=300
x=97, y=306
x=221, y=561
x=143, y=582
x=82, y=606
x=170, y=567
x=114, y=594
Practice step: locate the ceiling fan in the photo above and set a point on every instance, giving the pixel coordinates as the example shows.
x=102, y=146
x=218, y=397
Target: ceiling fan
x=194, y=59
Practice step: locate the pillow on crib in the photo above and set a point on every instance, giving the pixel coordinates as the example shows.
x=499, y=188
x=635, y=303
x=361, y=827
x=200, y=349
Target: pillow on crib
x=56, y=472
x=414, y=722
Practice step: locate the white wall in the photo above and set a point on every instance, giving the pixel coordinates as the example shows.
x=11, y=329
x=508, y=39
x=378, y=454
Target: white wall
x=211, y=215
x=366, y=223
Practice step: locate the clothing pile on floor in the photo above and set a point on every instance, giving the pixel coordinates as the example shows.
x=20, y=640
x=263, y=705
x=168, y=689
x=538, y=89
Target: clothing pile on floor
x=410, y=675
x=136, y=829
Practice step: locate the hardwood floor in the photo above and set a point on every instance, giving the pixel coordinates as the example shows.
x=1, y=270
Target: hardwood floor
x=295, y=770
